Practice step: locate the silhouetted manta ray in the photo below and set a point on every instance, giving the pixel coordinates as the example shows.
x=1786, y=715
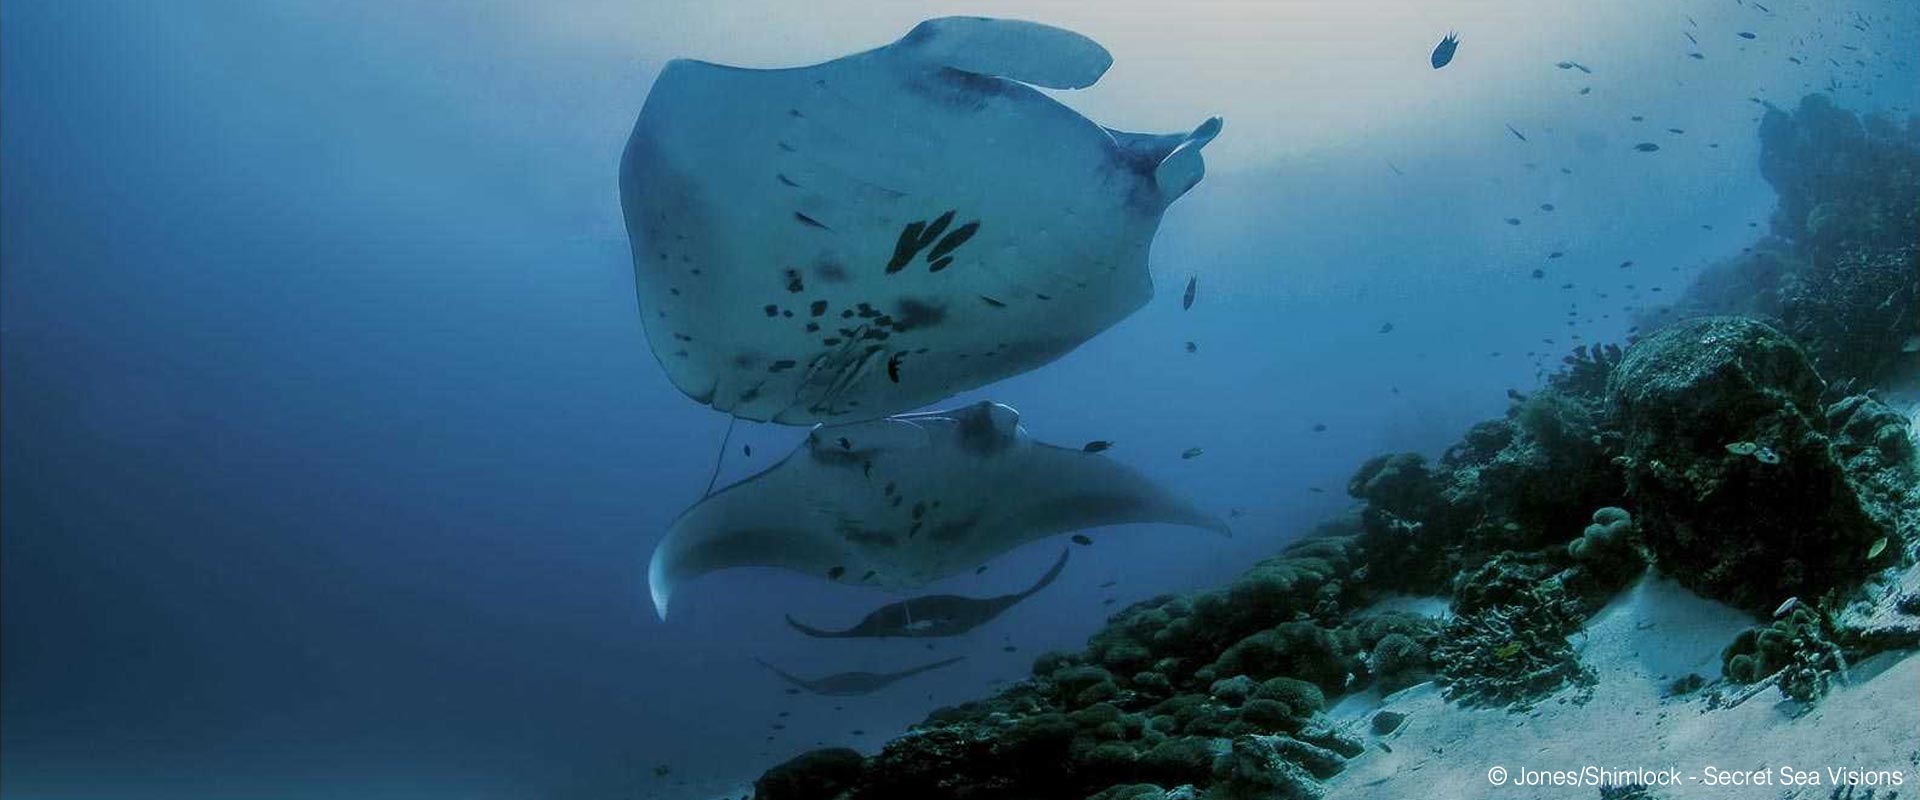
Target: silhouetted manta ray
x=848, y=684
x=933, y=615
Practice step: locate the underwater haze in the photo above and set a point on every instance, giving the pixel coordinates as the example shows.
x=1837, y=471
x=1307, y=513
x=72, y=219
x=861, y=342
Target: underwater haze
x=334, y=451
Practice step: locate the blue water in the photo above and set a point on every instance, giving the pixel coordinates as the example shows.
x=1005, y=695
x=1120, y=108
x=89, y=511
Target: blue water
x=333, y=450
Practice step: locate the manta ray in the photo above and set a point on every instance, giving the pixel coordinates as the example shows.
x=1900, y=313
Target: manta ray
x=848, y=684
x=873, y=234
x=899, y=502
x=933, y=615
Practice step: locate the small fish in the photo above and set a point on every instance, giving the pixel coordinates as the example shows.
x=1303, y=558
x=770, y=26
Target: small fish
x=1516, y=134
x=1186, y=300
x=1191, y=452
x=1624, y=265
x=1316, y=490
x=1096, y=446
x=1009, y=648
x=977, y=570
x=1193, y=348
x=836, y=572
x=1319, y=427
x=1236, y=513
x=845, y=443
x=1513, y=220
x=1646, y=147
x=893, y=366
x=1396, y=170
x=1794, y=60
x=1546, y=206
x=1539, y=273
x=1586, y=90
x=1555, y=254
x=1675, y=131
x=1443, y=54
x=1080, y=539
x=1689, y=37
x=1637, y=118
x=1107, y=602
x=1746, y=35
x=1582, y=67
x=746, y=450
x=1386, y=327
x=1696, y=56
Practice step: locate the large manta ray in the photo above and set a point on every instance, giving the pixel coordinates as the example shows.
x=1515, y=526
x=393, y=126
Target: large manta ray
x=933, y=615
x=902, y=501
x=849, y=684
x=858, y=238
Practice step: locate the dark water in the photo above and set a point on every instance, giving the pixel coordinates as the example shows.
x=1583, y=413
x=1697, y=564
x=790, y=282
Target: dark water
x=333, y=451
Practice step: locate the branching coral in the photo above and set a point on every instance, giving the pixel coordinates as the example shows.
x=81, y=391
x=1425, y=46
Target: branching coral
x=1512, y=653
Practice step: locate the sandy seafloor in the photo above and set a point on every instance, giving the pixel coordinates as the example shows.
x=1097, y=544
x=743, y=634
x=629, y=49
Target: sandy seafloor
x=1643, y=640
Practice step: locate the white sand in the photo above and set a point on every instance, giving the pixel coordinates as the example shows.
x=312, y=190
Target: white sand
x=1651, y=634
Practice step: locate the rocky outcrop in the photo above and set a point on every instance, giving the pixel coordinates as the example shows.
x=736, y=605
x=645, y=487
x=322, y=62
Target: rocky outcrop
x=1740, y=491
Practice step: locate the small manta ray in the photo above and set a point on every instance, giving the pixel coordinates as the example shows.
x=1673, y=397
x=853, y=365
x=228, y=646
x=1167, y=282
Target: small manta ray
x=933, y=615
x=1443, y=54
x=850, y=684
x=897, y=503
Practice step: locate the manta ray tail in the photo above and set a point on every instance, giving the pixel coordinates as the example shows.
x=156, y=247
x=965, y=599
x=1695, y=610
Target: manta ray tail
x=720, y=458
x=908, y=673
x=815, y=632
x=784, y=675
x=1059, y=565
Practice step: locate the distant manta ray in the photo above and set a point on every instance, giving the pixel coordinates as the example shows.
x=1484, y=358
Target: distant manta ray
x=933, y=615
x=849, y=684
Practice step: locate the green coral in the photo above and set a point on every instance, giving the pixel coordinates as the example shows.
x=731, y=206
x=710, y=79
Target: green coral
x=1803, y=647
x=1607, y=550
x=1297, y=649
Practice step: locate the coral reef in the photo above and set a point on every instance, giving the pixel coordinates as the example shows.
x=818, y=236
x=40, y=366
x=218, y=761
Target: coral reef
x=814, y=775
x=1838, y=271
x=1711, y=448
x=1740, y=493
